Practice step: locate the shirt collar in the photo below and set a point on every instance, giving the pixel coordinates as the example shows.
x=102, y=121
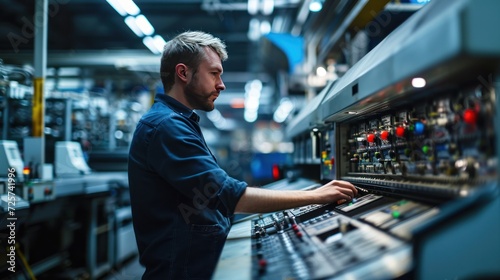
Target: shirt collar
x=177, y=106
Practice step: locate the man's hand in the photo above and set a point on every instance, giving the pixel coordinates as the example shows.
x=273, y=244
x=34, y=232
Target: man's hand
x=335, y=190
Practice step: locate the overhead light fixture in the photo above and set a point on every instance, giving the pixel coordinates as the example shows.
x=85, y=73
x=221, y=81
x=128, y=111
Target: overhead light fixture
x=219, y=121
x=253, y=7
x=143, y=24
x=117, y=6
x=130, y=7
x=418, y=82
x=283, y=111
x=130, y=21
x=159, y=42
x=321, y=71
x=139, y=24
x=265, y=27
x=124, y=7
x=250, y=116
x=316, y=6
x=254, y=29
x=252, y=100
x=150, y=43
x=267, y=7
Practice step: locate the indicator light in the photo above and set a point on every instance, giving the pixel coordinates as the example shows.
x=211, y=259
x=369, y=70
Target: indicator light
x=276, y=172
x=400, y=131
x=425, y=149
x=384, y=135
x=419, y=128
x=370, y=137
x=396, y=214
x=470, y=116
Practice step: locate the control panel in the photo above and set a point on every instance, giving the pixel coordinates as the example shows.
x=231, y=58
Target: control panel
x=437, y=149
x=341, y=241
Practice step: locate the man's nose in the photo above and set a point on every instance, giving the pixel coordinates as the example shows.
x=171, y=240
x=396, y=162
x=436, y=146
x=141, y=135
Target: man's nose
x=221, y=85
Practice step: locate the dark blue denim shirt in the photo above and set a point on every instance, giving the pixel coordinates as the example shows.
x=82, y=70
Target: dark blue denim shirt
x=182, y=201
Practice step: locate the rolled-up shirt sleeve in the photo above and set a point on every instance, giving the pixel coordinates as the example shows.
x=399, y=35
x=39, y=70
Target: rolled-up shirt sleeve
x=180, y=155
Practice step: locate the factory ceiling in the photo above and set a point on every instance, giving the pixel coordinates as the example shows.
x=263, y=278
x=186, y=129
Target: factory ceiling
x=91, y=33
x=92, y=36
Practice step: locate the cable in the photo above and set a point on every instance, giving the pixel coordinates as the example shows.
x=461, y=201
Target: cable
x=25, y=263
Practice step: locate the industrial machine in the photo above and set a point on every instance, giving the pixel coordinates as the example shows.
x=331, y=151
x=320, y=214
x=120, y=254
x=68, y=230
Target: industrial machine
x=10, y=158
x=413, y=126
x=69, y=160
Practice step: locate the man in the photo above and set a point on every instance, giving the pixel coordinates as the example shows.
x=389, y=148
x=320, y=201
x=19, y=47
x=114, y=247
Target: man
x=182, y=201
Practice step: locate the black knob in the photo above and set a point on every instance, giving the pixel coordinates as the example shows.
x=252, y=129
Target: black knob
x=392, y=154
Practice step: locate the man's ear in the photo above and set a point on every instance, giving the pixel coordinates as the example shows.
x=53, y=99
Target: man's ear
x=181, y=71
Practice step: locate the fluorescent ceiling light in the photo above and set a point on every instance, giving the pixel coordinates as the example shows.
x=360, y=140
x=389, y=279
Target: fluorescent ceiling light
x=130, y=7
x=159, y=43
x=253, y=7
x=267, y=7
x=250, y=116
x=130, y=21
x=265, y=27
x=254, y=29
x=143, y=24
x=315, y=6
x=117, y=6
x=283, y=111
x=150, y=43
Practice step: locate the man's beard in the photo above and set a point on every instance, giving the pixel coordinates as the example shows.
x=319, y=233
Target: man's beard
x=196, y=100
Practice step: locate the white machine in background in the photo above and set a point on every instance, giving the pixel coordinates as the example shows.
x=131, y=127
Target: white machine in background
x=10, y=157
x=69, y=159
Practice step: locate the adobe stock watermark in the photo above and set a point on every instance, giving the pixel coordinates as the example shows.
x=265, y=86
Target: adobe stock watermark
x=489, y=81
x=11, y=220
x=373, y=29
x=200, y=200
x=214, y=6
x=27, y=32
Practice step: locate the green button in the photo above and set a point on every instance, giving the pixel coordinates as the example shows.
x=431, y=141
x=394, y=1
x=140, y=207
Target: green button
x=425, y=149
x=395, y=214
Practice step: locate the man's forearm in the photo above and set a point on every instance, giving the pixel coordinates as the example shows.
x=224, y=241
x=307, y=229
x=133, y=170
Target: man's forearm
x=256, y=200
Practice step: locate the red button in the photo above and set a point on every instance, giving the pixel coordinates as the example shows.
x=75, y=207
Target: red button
x=370, y=137
x=262, y=263
x=384, y=135
x=470, y=116
x=400, y=131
